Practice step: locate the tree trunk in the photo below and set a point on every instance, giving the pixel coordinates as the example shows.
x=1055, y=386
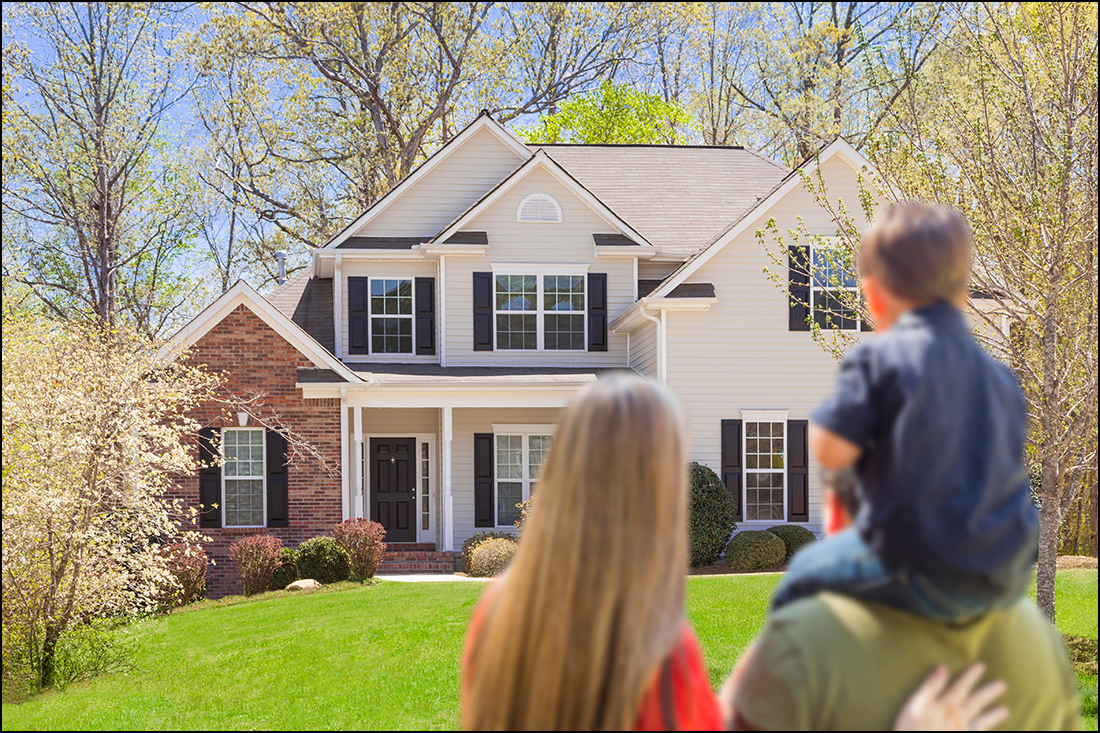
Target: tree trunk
x=49, y=656
x=1050, y=519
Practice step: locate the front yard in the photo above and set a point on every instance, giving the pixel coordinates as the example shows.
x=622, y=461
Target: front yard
x=383, y=657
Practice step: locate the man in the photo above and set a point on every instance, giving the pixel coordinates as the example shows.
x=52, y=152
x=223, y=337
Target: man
x=832, y=662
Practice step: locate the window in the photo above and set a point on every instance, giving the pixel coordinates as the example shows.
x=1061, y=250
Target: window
x=765, y=446
x=391, y=316
x=243, y=482
x=539, y=207
x=519, y=458
x=834, y=287
x=537, y=312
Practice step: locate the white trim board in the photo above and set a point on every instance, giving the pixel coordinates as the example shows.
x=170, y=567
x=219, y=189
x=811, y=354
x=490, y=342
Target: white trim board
x=243, y=294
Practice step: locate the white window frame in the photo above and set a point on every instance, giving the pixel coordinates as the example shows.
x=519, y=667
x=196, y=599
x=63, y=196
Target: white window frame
x=828, y=243
x=540, y=272
x=524, y=432
x=411, y=316
x=759, y=416
x=538, y=194
x=263, y=475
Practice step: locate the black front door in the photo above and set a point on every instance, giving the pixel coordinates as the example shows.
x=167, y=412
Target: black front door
x=393, y=486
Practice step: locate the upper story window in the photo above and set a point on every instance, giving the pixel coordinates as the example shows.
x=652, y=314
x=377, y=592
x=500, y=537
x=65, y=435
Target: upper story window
x=536, y=312
x=243, y=477
x=834, y=288
x=539, y=207
x=391, y=316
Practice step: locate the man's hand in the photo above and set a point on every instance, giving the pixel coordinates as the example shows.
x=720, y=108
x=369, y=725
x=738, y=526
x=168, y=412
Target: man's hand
x=932, y=707
x=831, y=450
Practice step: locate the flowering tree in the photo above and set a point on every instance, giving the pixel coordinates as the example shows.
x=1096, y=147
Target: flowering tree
x=92, y=426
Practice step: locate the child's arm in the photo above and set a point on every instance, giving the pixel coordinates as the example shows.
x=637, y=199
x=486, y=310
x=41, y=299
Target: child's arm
x=831, y=450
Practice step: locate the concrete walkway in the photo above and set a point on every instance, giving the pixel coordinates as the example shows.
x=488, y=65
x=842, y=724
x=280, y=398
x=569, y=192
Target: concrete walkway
x=429, y=578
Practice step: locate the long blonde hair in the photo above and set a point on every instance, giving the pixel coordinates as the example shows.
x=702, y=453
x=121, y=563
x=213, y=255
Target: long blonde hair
x=594, y=599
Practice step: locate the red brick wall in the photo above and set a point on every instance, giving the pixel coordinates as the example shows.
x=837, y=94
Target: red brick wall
x=256, y=360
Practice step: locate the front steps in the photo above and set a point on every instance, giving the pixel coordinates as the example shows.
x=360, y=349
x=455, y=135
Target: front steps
x=415, y=557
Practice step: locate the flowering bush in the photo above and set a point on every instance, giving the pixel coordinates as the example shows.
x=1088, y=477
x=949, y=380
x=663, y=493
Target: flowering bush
x=256, y=558
x=187, y=566
x=476, y=539
x=491, y=557
x=362, y=540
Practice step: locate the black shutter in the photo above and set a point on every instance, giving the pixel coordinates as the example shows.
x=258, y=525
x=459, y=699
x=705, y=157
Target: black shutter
x=210, y=478
x=425, y=316
x=798, y=471
x=483, y=480
x=597, y=311
x=483, y=312
x=798, y=288
x=731, y=462
x=358, y=315
x=277, y=515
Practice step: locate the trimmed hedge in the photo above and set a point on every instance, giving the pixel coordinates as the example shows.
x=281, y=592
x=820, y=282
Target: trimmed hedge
x=321, y=559
x=793, y=536
x=711, y=510
x=476, y=539
x=755, y=549
x=287, y=572
x=491, y=557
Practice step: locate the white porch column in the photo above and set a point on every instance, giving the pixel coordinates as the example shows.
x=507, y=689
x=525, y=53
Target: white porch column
x=357, y=465
x=338, y=305
x=344, y=492
x=448, y=498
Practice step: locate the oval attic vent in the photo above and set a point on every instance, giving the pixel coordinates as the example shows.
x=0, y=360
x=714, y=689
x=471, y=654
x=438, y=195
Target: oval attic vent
x=539, y=207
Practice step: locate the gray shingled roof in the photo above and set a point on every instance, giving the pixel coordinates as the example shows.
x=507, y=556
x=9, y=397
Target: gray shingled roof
x=307, y=300
x=678, y=197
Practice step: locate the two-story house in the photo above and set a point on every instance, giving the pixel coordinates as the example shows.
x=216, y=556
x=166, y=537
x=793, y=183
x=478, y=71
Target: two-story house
x=428, y=349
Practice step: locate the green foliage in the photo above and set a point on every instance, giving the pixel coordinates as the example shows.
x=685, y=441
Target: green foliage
x=321, y=559
x=711, y=510
x=1082, y=652
x=256, y=558
x=362, y=539
x=287, y=572
x=491, y=557
x=794, y=537
x=476, y=539
x=612, y=113
x=84, y=650
x=754, y=549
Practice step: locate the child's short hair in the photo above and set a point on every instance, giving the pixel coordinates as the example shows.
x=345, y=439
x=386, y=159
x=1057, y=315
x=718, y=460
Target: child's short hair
x=919, y=253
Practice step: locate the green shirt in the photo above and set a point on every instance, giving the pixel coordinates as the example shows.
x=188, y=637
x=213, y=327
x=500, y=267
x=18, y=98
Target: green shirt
x=831, y=662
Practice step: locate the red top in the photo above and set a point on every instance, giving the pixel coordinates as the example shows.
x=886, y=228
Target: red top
x=681, y=680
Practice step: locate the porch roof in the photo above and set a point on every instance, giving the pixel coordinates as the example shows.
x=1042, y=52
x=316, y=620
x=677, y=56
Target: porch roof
x=434, y=374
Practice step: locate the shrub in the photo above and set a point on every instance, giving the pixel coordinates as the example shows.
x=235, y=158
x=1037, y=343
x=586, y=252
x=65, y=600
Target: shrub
x=755, y=549
x=793, y=536
x=362, y=539
x=256, y=558
x=524, y=515
x=323, y=560
x=476, y=539
x=287, y=572
x=711, y=510
x=187, y=565
x=490, y=557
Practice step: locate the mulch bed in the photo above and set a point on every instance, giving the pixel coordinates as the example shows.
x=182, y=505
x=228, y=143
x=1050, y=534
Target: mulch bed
x=1074, y=562
x=725, y=570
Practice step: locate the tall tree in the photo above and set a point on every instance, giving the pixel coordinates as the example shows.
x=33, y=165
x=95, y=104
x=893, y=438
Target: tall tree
x=86, y=163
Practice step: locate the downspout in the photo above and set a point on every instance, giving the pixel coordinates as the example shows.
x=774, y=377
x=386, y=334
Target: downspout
x=660, y=341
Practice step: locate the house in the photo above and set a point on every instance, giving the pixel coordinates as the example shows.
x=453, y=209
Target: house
x=430, y=346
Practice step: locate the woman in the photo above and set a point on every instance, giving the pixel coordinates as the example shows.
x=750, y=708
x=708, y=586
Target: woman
x=586, y=630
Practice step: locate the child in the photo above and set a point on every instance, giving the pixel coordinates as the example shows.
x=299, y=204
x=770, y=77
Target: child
x=935, y=428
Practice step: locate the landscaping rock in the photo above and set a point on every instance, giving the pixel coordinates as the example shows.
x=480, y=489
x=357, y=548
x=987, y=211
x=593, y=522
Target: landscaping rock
x=306, y=584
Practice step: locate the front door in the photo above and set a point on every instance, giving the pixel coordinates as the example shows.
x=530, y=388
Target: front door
x=393, y=486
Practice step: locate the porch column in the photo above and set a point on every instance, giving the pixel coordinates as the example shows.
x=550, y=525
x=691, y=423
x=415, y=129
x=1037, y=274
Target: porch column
x=448, y=498
x=357, y=465
x=344, y=492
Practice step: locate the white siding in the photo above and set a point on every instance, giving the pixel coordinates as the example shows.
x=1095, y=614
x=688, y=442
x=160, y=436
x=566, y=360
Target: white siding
x=510, y=242
x=740, y=355
x=392, y=269
x=450, y=188
x=643, y=350
x=656, y=270
x=465, y=424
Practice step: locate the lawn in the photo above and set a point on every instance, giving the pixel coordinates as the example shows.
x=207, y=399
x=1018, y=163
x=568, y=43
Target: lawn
x=381, y=657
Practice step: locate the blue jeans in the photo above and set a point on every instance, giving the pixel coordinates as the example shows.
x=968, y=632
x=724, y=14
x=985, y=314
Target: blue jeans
x=843, y=563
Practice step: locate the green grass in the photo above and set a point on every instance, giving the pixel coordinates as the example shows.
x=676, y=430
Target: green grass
x=380, y=657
